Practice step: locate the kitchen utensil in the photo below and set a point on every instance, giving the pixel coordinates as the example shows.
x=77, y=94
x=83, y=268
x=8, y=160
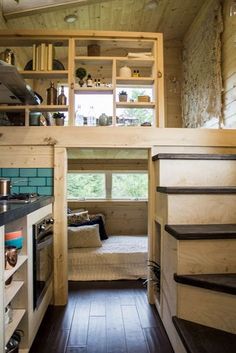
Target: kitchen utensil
x=11, y=255
x=5, y=187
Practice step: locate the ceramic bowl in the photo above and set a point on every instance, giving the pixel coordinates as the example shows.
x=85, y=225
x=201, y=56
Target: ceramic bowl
x=13, y=235
x=17, y=242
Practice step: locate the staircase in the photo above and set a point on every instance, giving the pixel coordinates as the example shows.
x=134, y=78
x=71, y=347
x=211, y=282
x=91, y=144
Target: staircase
x=196, y=214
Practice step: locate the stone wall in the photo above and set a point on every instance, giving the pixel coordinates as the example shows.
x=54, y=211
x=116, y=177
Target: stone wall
x=202, y=83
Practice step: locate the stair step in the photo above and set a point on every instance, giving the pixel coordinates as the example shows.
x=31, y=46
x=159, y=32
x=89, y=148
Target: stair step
x=199, y=338
x=197, y=190
x=194, y=156
x=202, y=231
x=224, y=282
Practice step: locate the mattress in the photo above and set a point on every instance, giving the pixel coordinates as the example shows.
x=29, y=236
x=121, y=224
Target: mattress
x=120, y=257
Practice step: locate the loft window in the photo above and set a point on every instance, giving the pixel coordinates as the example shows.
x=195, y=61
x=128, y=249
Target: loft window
x=108, y=185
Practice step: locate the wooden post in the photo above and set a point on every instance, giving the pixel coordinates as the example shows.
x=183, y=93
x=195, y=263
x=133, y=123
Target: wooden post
x=60, y=227
x=151, y=222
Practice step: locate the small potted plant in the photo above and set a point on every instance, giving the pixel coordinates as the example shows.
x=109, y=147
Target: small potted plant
x=123, y=96
x=81, y=73
x=59, y=118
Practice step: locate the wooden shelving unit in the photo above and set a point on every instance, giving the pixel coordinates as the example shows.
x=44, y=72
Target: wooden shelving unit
x=20, y=261
x=53, y=74
x=147, y=105
x=143, y=53
x=12, y=290
x=16, y=319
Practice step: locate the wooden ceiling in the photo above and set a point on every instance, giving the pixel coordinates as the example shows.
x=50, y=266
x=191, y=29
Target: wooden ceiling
x=172, y=17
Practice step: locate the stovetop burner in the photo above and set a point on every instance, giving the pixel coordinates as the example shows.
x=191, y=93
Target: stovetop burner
x=19, y=198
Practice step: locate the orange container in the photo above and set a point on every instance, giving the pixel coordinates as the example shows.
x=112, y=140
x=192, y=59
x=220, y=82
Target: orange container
x=13, y=235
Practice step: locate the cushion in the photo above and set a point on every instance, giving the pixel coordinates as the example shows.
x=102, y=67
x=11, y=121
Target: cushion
x=96, y=220
x=77, y=218
x=84, y=237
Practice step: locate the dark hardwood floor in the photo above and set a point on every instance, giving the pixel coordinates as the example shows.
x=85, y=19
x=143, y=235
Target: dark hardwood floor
x=103, y=317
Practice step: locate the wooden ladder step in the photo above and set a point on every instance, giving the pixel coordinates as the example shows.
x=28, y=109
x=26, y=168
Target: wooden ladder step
x=196, y=190
x=223, y=282
x=198, y=338
x=202, y=231
x=194, y=156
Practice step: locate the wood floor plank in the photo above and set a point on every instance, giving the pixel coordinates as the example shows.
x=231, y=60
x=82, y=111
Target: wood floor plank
x=157, y=342
x=97, y=335
x=135, y=340
x=114, y=327
x=98, y=307
x=145, y=311
x=76, y=350
x=80, y=322
x=121, y=321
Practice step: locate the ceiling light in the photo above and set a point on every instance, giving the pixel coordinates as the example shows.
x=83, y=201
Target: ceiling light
x=151, y=5
x=70, y=18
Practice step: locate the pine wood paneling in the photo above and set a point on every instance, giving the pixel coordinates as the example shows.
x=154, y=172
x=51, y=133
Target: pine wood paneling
x=121, y=217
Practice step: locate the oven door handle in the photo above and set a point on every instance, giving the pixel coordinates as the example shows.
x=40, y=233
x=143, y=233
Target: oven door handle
x=44, y=242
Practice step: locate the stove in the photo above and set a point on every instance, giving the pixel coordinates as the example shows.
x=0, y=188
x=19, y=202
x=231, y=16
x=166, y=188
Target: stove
x=19, y=198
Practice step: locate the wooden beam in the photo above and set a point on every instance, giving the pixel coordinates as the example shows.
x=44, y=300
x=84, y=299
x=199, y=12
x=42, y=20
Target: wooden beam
x=60, y=228
x=116, y=137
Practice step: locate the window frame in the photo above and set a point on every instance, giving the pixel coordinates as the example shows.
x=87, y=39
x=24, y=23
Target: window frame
x=108, y=184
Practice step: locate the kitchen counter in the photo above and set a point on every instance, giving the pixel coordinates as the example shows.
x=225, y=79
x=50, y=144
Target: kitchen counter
x=12, y=211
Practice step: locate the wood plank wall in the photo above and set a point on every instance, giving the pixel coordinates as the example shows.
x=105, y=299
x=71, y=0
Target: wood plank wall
x=121, y=217
x=173, y=82
x=229, y=67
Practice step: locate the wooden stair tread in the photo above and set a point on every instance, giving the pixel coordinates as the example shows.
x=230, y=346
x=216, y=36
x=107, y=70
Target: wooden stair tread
x=202, y=231
x=198, y=338
x=197, y=189
x=194, y=156
x=223, y=282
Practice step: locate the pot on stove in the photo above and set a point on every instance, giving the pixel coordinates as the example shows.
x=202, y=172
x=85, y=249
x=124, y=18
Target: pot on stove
x=5, y=187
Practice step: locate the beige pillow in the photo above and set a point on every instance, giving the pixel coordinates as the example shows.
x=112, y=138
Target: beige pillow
x=77, y=218
x=84, y=237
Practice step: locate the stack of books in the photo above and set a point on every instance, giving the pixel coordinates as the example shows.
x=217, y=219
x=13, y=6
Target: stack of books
x=43, y=55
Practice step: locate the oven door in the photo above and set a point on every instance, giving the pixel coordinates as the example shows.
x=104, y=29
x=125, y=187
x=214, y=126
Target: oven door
x=42, y=264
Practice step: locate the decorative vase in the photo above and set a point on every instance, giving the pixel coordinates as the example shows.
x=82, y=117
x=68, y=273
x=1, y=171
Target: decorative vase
x=59, y=121
x=123, y=97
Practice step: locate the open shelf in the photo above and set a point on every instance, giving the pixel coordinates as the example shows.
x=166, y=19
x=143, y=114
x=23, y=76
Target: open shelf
x=12, y=290
x=16, y=319
x=93, y=90
x=146, y=105
x=21, y=259
x=34, y=108
x=44, y=74
x=135, y=81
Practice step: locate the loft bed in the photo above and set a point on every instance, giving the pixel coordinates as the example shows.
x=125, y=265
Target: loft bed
x=106, y=258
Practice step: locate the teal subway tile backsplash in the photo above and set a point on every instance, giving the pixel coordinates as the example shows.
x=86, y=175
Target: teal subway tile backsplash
x=45, y=190
x=19, y=181
x=49, y=181
x=28, y=172
x=37, y=181
x=10, y=172
x=45, y=172
x=26, y=189
x=30, y=180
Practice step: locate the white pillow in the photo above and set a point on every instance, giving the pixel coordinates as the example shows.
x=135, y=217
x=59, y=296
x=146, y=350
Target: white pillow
x=84, y=237
x=77, y=218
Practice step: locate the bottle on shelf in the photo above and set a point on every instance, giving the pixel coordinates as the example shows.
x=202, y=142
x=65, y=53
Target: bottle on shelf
x=79, y=119
x=51, y=94
x=61, y=100
x=89, y=81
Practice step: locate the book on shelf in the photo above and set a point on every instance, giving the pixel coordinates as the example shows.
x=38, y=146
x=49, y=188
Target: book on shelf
x=43, y=55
